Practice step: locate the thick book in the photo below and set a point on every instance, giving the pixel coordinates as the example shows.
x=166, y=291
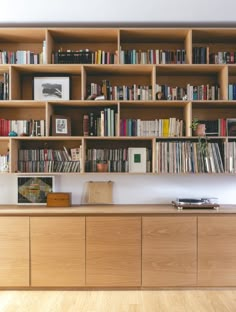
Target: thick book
x=137, y=157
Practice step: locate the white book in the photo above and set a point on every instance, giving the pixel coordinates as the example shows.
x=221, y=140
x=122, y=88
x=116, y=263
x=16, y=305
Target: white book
x=137, y=157
x=102, y=123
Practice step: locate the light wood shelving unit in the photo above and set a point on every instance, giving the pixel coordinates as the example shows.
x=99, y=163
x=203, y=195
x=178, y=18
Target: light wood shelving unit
x=21, y=103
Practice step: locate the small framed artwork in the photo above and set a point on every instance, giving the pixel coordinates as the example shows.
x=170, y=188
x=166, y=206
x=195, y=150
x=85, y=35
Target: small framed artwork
x=33, y=190
x=51, y=88
x=231, y=126
x=61, y=125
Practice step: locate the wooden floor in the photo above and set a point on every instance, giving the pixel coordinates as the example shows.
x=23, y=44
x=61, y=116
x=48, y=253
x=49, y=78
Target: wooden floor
x=119, y=301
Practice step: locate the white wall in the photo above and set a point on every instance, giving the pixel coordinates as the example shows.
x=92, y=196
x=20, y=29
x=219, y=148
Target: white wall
x=119, y=11
x=127, y=189
x=137, y=188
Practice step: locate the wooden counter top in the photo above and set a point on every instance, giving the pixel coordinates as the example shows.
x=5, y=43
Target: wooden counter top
x=111, y=210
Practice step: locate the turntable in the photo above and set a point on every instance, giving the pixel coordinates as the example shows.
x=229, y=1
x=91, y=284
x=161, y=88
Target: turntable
x=195, y=203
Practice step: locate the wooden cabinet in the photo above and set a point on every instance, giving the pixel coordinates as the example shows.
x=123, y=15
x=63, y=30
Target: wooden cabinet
x=155, y=81
x=118, y=251
x=113, y=251
x=169, y=251
x=57, y=251
x=14, y=251
x=216, y=250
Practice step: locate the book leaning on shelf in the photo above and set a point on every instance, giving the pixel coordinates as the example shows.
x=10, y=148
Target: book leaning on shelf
x=184, y=156
x=137, y=157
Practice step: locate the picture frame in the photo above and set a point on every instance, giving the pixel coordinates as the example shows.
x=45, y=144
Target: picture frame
x=61, y=125
x=46, y=88
x=33, y=190
x=231, y=126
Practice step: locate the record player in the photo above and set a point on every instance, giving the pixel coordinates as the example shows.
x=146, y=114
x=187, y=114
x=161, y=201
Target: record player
x=195, y=203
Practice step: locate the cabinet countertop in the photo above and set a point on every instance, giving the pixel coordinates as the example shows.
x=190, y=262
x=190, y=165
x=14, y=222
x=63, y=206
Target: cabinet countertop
x=134, y=209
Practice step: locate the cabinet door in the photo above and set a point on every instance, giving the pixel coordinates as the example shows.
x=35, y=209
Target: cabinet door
x=57, y=251
x=14, y=251
x=169, y=251
x=217, y=251
x=113, y=251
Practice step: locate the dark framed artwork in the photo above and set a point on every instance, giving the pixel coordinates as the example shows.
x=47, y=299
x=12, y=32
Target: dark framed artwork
x=61, y=125
x=33, y=190
x=231, y=126
x=46, y=88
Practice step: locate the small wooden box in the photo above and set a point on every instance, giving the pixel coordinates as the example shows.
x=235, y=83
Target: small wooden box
x=59, y=199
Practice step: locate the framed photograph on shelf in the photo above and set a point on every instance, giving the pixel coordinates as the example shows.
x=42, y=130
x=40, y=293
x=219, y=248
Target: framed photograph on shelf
x=46, y=88
x=61, y=125
x=33, y=190
x=231, y=126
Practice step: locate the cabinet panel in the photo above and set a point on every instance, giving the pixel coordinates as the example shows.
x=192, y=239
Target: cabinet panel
x=57, y=251
x=169, y=251
x=217, y=251
x=113, y=251
x=14, y=251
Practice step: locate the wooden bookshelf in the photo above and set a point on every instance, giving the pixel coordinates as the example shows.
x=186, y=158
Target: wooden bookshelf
x=129, y=85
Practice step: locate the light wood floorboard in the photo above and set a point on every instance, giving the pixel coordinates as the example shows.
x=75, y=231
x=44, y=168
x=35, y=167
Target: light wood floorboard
x=119, y=301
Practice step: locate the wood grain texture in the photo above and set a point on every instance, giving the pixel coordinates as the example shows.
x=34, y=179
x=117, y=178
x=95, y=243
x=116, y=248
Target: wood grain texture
x=57, y=251
x=14, y=251
x=134, y=209
x=169, y=251
x=113, y=251
x=217, y=251
x=118, y=301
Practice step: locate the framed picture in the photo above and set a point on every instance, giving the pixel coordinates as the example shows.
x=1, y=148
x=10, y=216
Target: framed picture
x=61, y=125
x=33, y=190
x=231, y=126
x=51, y=88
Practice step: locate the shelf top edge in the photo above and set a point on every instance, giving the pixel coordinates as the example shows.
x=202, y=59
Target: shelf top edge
x=136, y=24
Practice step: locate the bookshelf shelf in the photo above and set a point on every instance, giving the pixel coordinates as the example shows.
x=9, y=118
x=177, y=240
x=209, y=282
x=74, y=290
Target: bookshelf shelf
x=126, y=86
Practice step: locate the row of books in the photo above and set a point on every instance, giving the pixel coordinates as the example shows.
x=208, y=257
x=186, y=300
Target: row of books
x=4, y=163
x=4, y=86
x=20, y=57
x=153, y=56
x=133, y=159
x=203, y=92
x=133, y=92
x=225, y=57
x=48, y=166
x=101, y=124
x=43, y=154
x=188, y=157
x=154, y=128
x=22, y=127
x=190, y=92
x=46, y=154
x=84, y=57
x=104, y=154
x=230, y=157
x=201, y=55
